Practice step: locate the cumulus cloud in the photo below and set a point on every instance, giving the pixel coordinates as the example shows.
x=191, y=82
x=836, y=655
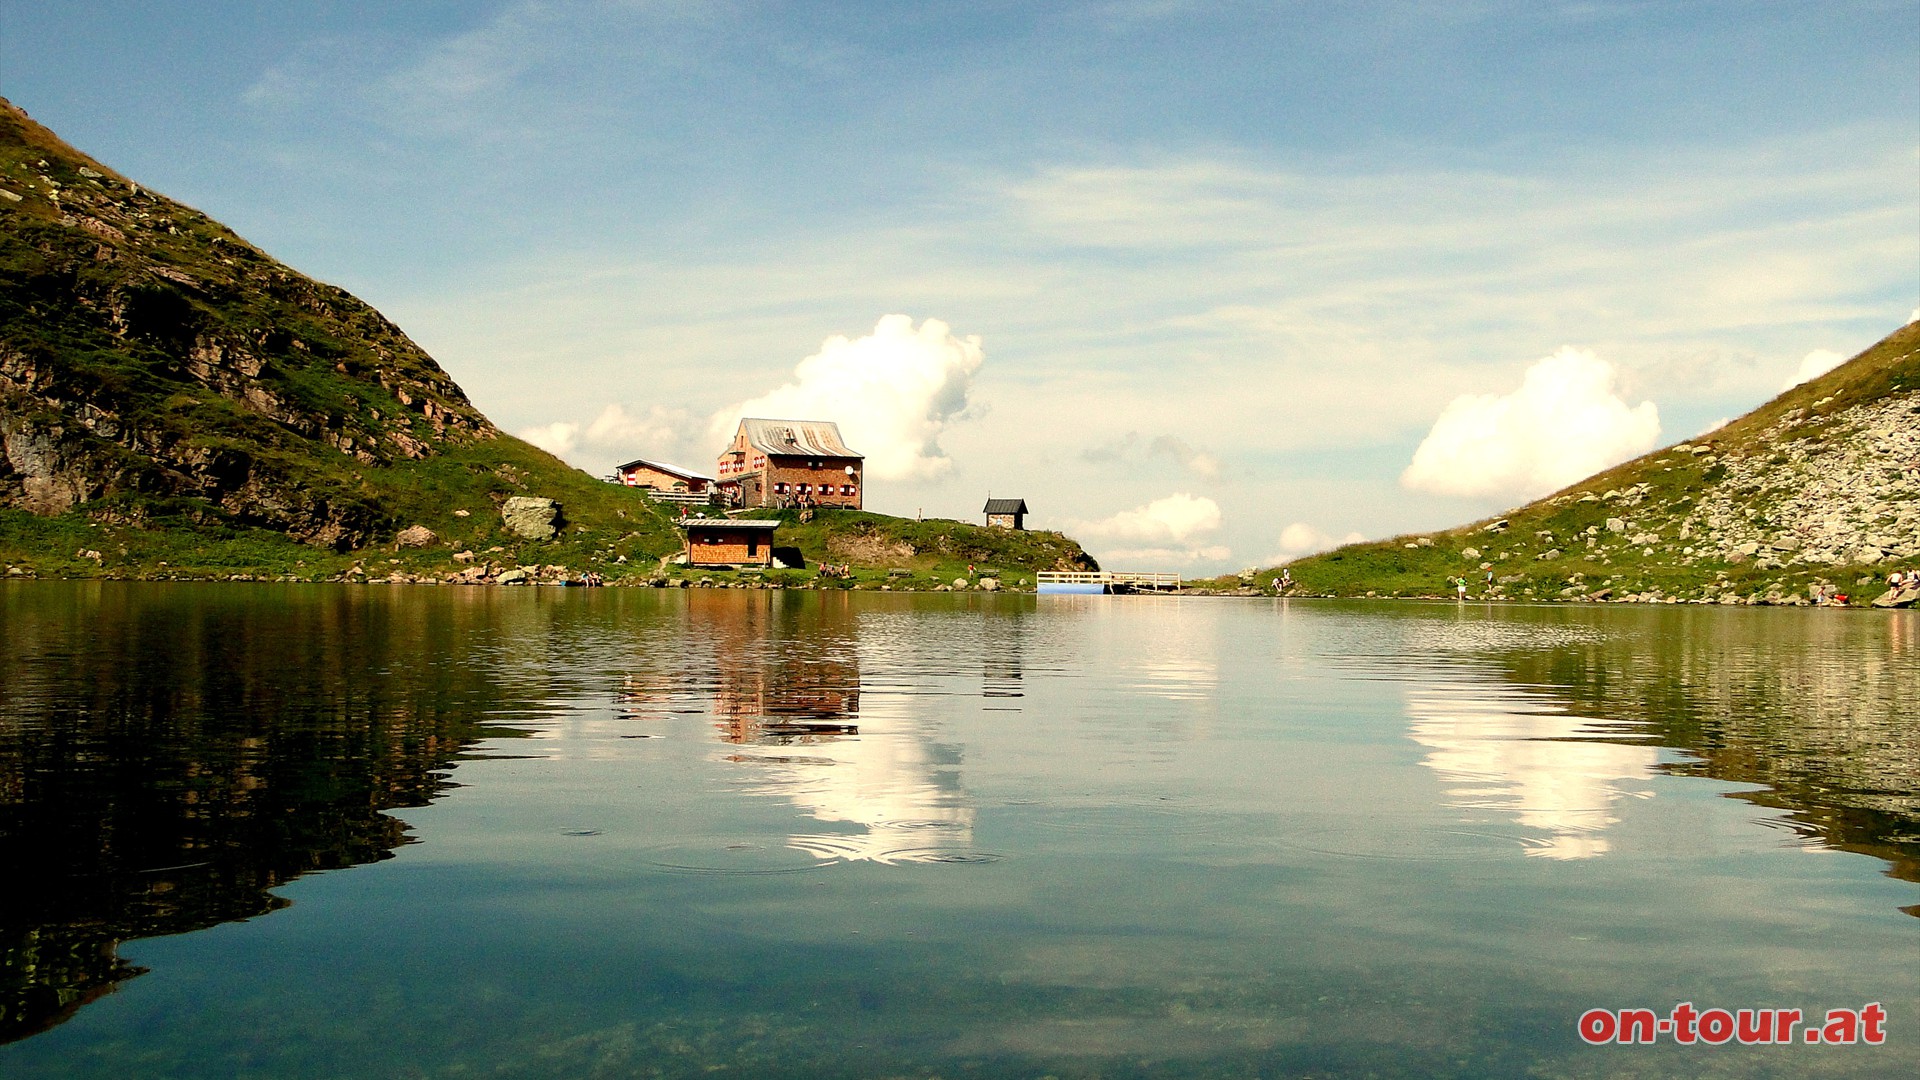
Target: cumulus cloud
x=1300, y=539
x=557, y=438
x=1176, y=529
x=1812, y=366
x=892, y=392
x=1563, y=423
x=617, y=435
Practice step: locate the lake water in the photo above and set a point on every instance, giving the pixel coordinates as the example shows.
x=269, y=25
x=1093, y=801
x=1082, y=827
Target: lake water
x=334, y=831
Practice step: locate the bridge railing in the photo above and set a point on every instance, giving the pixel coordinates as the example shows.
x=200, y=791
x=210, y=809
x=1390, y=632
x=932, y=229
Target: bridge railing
x=1108, y=577
x=1146, y=580
x=1072, y=577
x=691, y=498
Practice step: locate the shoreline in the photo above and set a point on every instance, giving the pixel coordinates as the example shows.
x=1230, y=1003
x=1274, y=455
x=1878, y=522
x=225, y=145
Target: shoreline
x=531, y=581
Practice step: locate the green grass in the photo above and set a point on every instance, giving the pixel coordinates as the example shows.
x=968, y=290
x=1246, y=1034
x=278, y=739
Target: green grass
x=1674, y=482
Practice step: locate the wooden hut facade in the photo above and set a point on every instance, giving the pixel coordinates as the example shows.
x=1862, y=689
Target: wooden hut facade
x=726, y=542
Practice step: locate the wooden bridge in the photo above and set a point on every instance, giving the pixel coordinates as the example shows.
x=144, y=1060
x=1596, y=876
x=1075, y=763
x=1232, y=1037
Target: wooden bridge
x=1104, y=581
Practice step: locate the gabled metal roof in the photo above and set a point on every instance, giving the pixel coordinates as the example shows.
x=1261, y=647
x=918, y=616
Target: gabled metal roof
x=672, y=470
x=1006, y=506
x=805, y=438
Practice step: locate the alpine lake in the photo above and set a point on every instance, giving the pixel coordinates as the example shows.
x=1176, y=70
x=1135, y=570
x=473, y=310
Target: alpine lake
x=253, y=830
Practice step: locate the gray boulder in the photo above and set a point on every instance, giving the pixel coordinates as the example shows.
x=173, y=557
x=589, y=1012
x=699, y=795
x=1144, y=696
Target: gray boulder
x=530, y=517
x=1904, y=596
x=512, y=577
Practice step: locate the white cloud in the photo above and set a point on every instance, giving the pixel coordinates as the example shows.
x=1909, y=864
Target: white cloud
x=616, y=436
x=1812, y=366
x=557, y=438
x=657, y=431
x=892, y=392
x=1175, y=530
x=1300, y=538
x=1565, y=422
x=1158, y=558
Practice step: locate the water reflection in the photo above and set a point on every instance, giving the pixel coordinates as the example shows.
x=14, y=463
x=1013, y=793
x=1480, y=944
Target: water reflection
x=168, y=756
x=1812, y=707
x=779, y=677
x=1555, y=773
x=1815, y=706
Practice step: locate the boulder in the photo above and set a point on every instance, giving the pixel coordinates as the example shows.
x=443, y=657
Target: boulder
x=988, y=584
x=415, y=536
x=511, y=577
x=1904, y=596
x=531, y=517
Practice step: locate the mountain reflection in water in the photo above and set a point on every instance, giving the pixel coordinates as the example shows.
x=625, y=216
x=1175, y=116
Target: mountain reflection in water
x=169, y=755
x=1812, y=706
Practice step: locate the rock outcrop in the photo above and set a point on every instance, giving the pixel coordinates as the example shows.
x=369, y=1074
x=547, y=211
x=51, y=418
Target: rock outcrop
x=153, y=360
x=531, y=517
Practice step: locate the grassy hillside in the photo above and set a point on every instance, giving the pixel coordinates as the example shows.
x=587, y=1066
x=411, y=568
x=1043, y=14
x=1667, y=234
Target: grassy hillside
x=176, y=403
x=1818, y=487
x=610, y=530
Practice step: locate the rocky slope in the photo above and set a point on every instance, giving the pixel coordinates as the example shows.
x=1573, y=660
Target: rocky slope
x=152, y=362
x=1818, y=490
x=174, y=403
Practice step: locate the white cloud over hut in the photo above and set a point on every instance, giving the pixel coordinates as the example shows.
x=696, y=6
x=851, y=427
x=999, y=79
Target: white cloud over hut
x=893, y=392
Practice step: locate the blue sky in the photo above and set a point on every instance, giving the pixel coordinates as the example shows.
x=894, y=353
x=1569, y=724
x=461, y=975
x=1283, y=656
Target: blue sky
x=1228, y=264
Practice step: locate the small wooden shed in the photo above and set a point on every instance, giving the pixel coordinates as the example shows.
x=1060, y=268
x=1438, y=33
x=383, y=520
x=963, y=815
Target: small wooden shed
x=726, y=542
x=1006, y=513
